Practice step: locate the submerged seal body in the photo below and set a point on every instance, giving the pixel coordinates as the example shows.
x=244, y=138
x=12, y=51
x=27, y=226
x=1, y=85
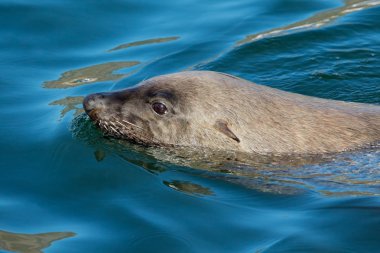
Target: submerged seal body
x=219, y=111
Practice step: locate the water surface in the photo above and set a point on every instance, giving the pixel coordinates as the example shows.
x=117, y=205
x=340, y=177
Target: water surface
x=65, y=188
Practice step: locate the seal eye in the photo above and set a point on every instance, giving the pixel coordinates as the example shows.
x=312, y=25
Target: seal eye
x=159, y=108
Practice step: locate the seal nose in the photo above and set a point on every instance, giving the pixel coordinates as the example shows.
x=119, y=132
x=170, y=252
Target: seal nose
x=93, y=101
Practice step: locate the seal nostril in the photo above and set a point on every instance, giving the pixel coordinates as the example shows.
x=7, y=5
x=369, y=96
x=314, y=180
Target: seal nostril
x=91, y=101
x=87, y=104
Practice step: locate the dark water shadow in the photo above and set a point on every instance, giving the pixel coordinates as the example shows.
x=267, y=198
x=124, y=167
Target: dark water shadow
x=346, y=174
x=30, y=243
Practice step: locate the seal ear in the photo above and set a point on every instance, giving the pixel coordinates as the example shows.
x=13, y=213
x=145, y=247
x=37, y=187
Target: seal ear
x=222, y=127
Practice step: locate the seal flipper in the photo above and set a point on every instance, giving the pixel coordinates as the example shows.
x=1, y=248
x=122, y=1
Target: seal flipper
x=222, y=127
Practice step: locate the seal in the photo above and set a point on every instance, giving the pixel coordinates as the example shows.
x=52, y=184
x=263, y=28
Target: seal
x=206, y=109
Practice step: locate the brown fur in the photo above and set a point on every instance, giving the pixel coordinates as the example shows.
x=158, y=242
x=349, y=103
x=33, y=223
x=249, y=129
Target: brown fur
x=219, y=111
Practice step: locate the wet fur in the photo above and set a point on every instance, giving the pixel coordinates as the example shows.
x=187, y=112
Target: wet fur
x=219, y=111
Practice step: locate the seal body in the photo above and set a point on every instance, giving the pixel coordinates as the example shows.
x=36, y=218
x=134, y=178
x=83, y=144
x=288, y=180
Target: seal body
x=218, y=111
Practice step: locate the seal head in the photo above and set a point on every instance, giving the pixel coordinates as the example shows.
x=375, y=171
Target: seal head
x=166, y=110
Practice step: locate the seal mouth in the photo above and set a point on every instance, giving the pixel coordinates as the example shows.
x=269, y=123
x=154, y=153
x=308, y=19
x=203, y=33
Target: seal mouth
x=93, y=114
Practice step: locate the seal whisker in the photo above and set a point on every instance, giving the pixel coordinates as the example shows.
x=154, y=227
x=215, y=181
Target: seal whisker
x=129, y=123
x=152, y=139
x=104, y=125
x=118, y=129
x=114, y=129
x=126, y=122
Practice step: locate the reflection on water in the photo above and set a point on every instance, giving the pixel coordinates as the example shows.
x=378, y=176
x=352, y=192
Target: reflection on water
x=188, y=187
x=144, y=42
x=92, y=74
x=96, y=73
x=99, y=155
x=315, y=21
x=344, y=174
x=30, y=243
x=70, y=104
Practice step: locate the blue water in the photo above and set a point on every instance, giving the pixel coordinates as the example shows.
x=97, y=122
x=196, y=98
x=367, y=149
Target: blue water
x=64, y=188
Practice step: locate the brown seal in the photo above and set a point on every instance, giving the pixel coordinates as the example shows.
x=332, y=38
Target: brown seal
x=219, y=111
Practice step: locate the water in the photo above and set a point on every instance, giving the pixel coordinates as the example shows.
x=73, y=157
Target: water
x=64, y=188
